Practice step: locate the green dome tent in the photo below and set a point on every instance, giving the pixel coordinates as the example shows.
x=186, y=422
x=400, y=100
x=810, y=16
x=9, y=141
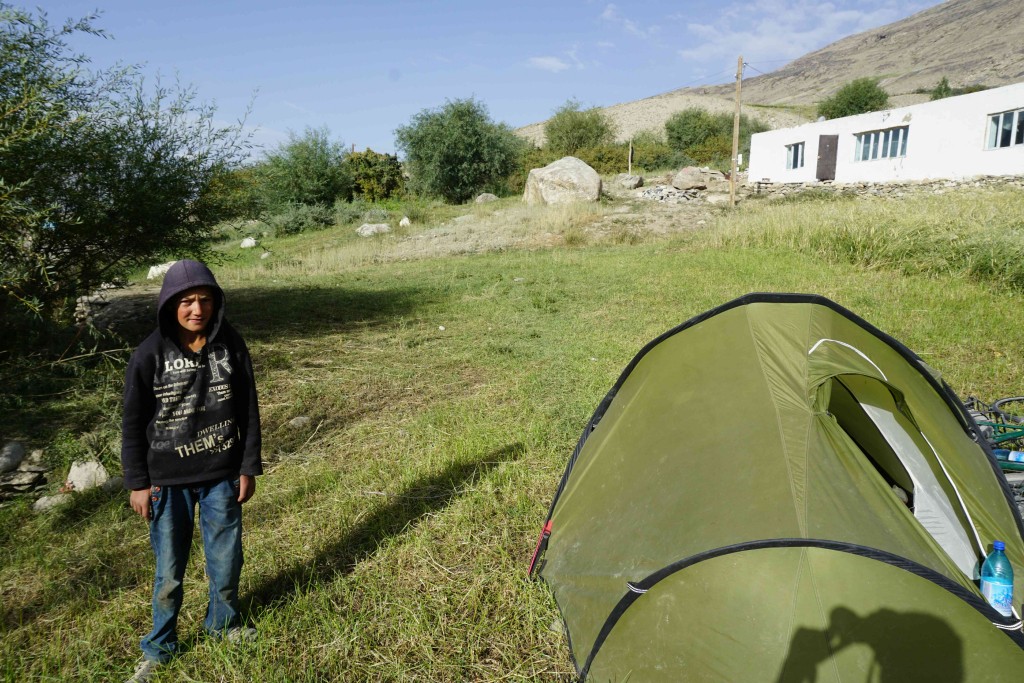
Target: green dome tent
x=778, y=491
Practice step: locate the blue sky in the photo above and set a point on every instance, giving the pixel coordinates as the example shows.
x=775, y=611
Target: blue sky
x=364, y=68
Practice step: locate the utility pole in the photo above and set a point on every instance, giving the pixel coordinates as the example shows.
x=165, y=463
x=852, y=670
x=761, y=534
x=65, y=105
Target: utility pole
x=735, y=133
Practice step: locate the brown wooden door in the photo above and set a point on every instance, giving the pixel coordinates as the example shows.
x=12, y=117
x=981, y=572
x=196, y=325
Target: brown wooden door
x=828, y=148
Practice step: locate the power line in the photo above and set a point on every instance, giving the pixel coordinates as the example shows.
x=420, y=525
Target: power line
x=703, y=79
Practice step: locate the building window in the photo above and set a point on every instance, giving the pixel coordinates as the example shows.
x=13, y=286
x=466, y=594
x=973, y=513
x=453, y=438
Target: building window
x=795, y=155
x=882, y=144
x=1006, y=129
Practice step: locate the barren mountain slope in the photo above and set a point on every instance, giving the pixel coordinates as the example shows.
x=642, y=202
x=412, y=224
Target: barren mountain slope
x=651, y=113
x=971, y=42
x=968, y=41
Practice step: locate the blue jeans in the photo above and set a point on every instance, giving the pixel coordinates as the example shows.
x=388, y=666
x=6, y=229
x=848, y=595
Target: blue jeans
x=172, y=520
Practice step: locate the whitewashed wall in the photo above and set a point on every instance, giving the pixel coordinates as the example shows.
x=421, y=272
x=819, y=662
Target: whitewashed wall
x=946, y=140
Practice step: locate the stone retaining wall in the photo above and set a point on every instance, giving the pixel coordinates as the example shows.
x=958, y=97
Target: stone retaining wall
x=889, y=189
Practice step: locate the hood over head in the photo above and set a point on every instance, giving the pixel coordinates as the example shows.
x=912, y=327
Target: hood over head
x=182, y=276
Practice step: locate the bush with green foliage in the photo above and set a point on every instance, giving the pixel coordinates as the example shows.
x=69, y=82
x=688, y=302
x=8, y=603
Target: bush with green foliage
x=652, y=153
x=456, y=151
x=100, y=174
x=856, y=97
x=295, y=218
x=941, y=90
x=606, y=159
x=693, y=126
x=375, y=176
x=307, y=169
x=239, y=191
x=572, y=128
x=698, y=136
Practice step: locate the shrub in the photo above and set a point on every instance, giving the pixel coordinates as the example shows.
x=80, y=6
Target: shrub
x=606, y=159
x=691, y=127
x=239, y=192
x=100, y=175
x=307, y=169
x=856, y=97
x=941, y=90
x=713, y=151
x=571, y=129
x=953, y=92
x=652, y=155
x=296, y=218
x=967, y=89
x=702, y=137
x=349, y=212
x=456, y=151
x=375, y=176
x=528, y=159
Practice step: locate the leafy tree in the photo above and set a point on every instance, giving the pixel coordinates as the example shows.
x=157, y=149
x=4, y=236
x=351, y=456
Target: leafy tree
x=100, y=174
x=375, y=176
x=307, y=169
x=941, y=90
x=240, y=191
x=651, y=151
x=856, y=97
x=706, y=138
x=572, y=128
x=456, y=151
x=691, y=127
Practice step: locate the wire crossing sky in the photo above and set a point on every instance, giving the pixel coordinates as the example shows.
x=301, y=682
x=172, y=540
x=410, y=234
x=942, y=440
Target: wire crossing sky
x=364, y=68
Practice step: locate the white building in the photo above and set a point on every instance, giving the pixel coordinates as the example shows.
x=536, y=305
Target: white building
x=957, y=137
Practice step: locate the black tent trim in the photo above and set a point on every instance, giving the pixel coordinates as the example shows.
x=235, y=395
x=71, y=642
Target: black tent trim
x=941, y=388
x=636, y=589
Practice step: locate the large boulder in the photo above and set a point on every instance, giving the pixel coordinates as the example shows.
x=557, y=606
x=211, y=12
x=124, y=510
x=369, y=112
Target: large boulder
x=630, y=182
x=561, y=182
x=159, y=271
x=690, y=178
x=371, y=229
x=11, y=456
x=85, y=475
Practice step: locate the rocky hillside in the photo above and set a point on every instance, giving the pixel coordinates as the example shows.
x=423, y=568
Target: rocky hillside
x=971, y=42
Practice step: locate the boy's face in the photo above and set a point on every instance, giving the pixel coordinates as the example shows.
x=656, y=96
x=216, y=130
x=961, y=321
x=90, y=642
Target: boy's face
x=195, y=308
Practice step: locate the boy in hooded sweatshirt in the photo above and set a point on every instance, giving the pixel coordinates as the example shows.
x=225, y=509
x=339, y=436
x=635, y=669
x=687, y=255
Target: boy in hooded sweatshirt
x=191, y=437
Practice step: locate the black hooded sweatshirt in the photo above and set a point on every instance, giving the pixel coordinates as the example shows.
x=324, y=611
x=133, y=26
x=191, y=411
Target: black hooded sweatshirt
x=189, y=417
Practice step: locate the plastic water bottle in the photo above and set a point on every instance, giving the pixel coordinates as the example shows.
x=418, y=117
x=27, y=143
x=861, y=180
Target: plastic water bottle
x=997, y=580
x=1011, y=456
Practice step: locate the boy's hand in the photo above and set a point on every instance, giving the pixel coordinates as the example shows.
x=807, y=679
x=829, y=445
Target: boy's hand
x=140, y=502
x=246, y=487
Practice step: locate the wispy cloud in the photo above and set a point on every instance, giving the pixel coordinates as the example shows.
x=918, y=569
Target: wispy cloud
x=572, y=54
x=772, y=32
x=292, y=105
x=552, y=64
x=612, y=15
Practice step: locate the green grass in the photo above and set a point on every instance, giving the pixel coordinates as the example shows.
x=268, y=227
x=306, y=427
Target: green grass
x=389, y=539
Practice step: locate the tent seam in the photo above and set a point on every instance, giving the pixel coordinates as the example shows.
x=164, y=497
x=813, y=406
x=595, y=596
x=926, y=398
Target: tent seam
x=778, y=419
x=821, y=615
x=811, y=425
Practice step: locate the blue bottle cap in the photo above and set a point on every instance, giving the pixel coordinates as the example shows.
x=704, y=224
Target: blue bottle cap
x=998, y=545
